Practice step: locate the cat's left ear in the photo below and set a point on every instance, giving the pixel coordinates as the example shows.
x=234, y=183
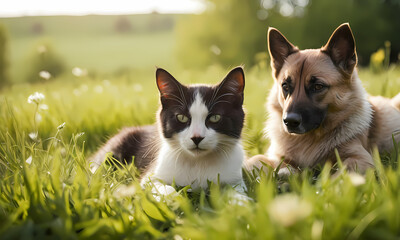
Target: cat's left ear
x=168, y=86
x=233, y=84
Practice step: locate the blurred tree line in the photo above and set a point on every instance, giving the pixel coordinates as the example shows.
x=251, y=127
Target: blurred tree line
x=4, y=57
x=232, y=32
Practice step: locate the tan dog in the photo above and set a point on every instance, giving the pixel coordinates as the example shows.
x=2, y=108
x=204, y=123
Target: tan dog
x=318, y=104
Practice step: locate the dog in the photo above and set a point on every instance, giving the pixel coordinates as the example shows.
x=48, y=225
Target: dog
x=317, y=104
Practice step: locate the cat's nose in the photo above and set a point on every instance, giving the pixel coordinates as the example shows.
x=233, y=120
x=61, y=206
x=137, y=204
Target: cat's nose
x=197, y=140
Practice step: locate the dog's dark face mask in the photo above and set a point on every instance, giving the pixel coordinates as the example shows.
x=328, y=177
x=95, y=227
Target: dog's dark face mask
x=304, y=78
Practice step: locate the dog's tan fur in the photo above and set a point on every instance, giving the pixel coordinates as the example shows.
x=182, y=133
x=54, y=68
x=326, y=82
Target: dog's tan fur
x=353, y=124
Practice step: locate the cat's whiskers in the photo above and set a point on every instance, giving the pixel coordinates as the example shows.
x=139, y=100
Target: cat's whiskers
x=179, y=99
x=152, y=148
x=214, y=101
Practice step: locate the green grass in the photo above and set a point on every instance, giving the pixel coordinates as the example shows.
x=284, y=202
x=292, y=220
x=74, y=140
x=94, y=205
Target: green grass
x=91, y=42
x=56, y=196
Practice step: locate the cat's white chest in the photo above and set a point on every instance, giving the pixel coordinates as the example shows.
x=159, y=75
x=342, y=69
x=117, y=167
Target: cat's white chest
x=185, y=170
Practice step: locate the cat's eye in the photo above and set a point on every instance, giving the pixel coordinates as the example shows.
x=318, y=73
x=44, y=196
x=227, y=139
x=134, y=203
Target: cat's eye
x=182, y=118
x=215, y=118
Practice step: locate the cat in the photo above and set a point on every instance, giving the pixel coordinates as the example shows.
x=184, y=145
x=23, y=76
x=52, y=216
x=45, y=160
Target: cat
x=197, y=137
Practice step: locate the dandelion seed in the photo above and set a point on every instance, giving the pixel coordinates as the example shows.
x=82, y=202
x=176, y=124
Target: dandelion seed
x=79, y=72
x=130, y=218
x=36, y=98
x=45, y=75
x=33, y=135
x=61, y=126
x=29, y=160
x=288, y=209
x=356, y=179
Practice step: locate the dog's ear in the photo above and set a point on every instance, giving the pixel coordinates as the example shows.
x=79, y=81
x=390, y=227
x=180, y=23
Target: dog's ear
x=279, y=49
x=341, y=47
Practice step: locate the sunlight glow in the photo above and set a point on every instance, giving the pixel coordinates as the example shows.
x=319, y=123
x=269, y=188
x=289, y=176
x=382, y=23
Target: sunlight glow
x=17, y=8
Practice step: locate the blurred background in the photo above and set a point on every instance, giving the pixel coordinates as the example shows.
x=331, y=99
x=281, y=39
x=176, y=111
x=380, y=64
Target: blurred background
x=93, y=62
x=116, y=37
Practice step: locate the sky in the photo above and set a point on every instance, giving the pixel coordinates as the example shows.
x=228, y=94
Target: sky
x=16, y=8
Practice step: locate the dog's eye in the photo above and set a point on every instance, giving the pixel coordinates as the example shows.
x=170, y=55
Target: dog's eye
x=182, y=118
x=285, y=87
x=317, y=87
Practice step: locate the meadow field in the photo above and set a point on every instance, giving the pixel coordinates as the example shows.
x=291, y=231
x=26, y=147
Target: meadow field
x=48, y=192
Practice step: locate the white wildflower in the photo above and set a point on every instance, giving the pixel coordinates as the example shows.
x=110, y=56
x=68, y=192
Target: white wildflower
x=125, y=191
x=137, y=87
x=178, y=237
x=41, y=49
x=316, y=230
x=43, y=106
x=98, y=89
x=215, y=49
x=33, y=135
x=288, y=209
x=106, y=82
x=61, y=126
x=356, y=179
x=79, y=135
x=76, y=92
x=79, y=72
x=36, y=98
x=38, y=117
x=29, y=160
x=45, y=75
x=84, y=88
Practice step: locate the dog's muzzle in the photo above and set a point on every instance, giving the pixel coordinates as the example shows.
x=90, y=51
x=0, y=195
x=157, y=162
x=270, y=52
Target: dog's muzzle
x=293, y=122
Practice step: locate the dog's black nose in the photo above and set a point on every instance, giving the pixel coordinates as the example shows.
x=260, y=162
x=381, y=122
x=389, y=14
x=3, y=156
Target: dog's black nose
x=292, y=120
x=197, y=140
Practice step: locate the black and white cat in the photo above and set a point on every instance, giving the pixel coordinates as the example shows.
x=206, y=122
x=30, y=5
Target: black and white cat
x=196, y=138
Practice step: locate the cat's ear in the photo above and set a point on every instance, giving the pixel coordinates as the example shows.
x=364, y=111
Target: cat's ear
x=168, y=86
x=279, y=49
x=233, y=85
